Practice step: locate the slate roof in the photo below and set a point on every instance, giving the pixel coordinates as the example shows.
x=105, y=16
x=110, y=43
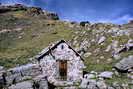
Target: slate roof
x=48, y=49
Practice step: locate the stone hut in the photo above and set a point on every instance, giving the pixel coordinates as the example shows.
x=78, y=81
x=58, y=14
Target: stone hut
x=62, y=65
x=58, y=65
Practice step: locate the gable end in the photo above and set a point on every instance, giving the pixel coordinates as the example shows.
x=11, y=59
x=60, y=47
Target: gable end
x=55, y=46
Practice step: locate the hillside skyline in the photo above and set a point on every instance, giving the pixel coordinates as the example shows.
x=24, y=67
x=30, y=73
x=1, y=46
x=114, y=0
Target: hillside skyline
x=114, y=11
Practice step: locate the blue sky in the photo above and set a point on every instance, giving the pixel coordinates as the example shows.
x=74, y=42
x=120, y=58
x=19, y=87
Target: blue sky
x=115, y=11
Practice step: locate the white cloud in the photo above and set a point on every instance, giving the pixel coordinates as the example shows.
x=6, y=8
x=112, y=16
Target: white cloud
x=120, y=20
x=123, y=19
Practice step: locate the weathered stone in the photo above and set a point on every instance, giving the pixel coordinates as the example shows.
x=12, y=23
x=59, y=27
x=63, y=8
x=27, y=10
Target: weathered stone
x=71, y=87
x=87, y=54
x=92, y=86
x=93, y=40
x=18, y=29
x=121, y=49
x=117, y=85
x=116, y=73
x=22, y=73
x=129, y=45
x=94, y=72
x=125, y=85
x=1, y=68
x=115, y=43
x=131, y=76
x=106, y=74
x=84, y=83
x=108, y=48
x=101, y=57
x=116, y=56
x=89, y=76
x=125, y=64
x=102, y=39
x=101, y=85
x=109, y=60
x=110, y=87
x=20, y=37
x=97, y=50
x=124, y=48
x=22, y=85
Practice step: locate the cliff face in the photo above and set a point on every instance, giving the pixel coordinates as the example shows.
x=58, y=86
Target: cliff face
x=25, y=31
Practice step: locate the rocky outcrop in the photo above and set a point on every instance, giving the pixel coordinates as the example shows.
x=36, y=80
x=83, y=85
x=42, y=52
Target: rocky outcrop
x=95, y=80
x=16, y=7
x=31, y=11
x=24, y=85
x=39, y=82
x=125, y=64
x=27, y=77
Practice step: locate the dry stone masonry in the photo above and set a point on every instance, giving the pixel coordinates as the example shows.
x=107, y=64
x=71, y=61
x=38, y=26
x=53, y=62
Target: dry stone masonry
x=49, y=62
x=46, y=70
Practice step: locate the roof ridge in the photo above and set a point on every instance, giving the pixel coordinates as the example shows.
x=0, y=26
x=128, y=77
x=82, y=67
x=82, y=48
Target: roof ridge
x=52, y=46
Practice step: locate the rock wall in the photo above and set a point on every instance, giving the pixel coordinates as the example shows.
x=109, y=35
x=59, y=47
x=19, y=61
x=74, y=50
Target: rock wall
x=24, y=77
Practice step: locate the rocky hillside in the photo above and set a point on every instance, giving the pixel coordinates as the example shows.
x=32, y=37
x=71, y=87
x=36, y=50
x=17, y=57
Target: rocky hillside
x=25, y=31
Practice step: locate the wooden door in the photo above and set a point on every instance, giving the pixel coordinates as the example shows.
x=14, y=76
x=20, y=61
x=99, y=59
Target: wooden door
x=63, y=70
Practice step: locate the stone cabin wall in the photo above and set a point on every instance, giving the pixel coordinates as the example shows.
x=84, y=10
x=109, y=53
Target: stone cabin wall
x=50, y=65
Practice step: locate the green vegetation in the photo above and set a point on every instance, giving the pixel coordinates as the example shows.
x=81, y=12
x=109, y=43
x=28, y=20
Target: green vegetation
x=16, y=46
x=25, y=35
x=122, y=78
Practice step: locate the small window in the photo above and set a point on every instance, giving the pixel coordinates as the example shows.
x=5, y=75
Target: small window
x=62, y=47
x=63, y=70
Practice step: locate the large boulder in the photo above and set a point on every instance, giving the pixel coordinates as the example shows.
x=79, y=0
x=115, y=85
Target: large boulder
x=22, y=85
x=125, y=64
x=21, y=73
x=89, y=76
